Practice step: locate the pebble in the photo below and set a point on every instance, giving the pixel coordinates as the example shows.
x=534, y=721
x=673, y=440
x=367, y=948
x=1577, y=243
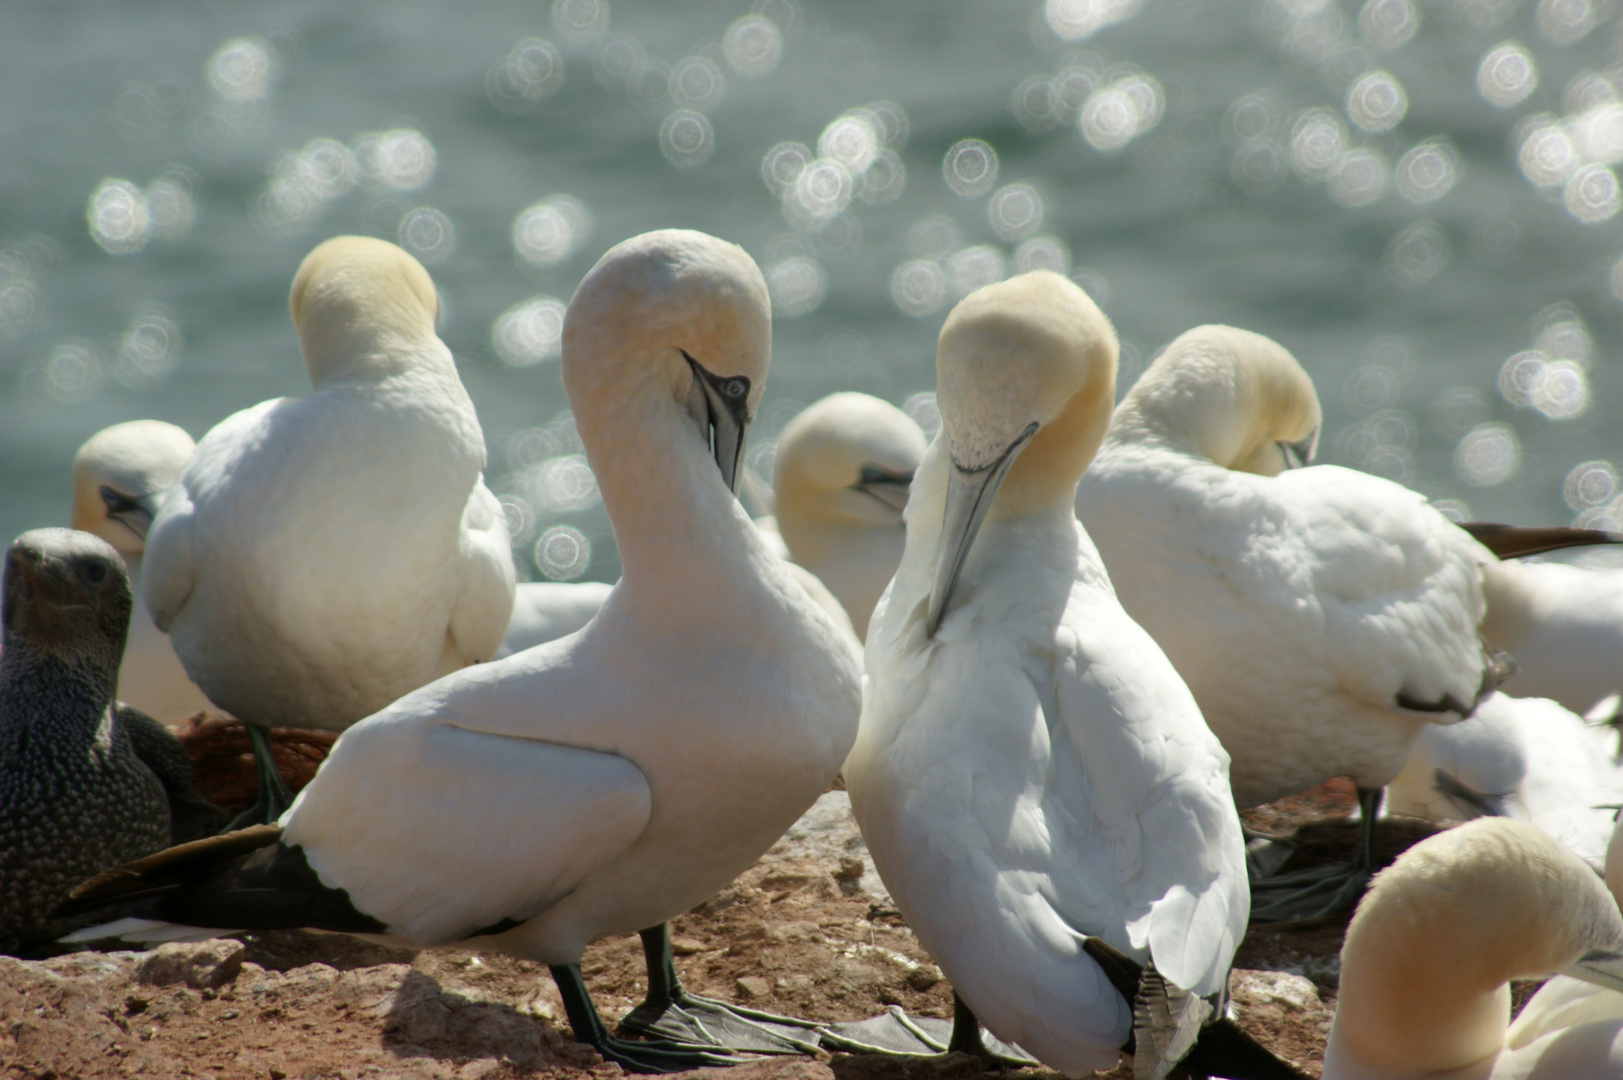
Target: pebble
x=198, y=964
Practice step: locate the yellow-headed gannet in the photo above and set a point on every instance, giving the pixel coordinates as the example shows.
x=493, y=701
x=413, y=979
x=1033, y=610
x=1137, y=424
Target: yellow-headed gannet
x=1427, y=961
x=119, y=477
x=612, y=779
x=323, y=555
x=1033, y=779
x=1321, y=616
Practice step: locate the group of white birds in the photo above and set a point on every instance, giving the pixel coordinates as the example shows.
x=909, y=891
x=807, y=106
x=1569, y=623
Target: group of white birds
x=1092, y=631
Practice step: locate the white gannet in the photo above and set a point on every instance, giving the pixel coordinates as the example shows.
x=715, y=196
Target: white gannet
x=323, y=555
x=1426, y=964
x=840, y=480
x=1321, y=616
x=545, y=611
x=1031, y=775
x=1527, y=758
x=1564, y=626
x=119, y=476
x=607, y=781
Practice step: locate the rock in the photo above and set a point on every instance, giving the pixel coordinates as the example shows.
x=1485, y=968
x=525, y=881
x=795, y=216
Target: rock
x=480, y=1069
x=198, y=964
x=685, y=946
x=1259, y=988
x=794, y=983
x=797, y=932
x=752, y=986
x=778, y=1068
x=923, y=977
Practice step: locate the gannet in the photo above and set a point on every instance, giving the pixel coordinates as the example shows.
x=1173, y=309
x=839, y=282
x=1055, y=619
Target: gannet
x=612, y=779
x=323, y=555
x=1527, y=758
x=84, y=783
x=1427, y=960
x=1564, y=626
x=545, y=611
x=119, y=476
x=1321, y=616
x=1031, y=775
x=840, y=480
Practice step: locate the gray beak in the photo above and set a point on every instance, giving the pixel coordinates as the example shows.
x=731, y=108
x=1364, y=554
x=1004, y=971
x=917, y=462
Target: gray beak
x=1478, y=803
x=1600, y=967
x=885, y=485
x=724, y=401
x=969, y=497
x=134, y=512
x=1299, y=454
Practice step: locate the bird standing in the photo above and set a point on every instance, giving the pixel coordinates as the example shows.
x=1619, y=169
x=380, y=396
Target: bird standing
x=321, y=556
x=608, y=781
x=1031, y=775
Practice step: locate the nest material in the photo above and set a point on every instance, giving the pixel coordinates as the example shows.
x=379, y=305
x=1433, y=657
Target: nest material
x=223, y=760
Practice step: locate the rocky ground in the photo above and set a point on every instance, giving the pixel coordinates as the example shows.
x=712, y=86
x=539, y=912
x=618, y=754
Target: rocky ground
x=808, y=931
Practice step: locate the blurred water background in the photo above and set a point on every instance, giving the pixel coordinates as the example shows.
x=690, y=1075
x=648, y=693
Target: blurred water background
x=1417, y=197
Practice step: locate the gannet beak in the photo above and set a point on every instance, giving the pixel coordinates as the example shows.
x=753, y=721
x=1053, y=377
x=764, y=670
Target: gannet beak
x=1299, y=455
x=1600, y=967
x=134, y=512
x=969, y=497
x=885, y=485
x=726, y=401
x=1468, y=798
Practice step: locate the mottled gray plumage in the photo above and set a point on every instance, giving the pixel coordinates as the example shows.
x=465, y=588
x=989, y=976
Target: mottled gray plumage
x=76, y=795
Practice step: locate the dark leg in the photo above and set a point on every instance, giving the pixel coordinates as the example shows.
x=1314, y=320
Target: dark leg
x=274, y=797
x=641, y=1057
x=670, y=1013
x=1310, y=895
x=966, y=1031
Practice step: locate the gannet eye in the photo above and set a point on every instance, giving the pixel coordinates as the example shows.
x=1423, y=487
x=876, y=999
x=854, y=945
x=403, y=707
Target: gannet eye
x=96, y=571
x=735, y=388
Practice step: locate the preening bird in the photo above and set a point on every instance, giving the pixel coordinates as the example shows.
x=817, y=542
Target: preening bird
x=1321, y=616
x=321, y=556
x=1033, y=779
x=1427, y=962
x=608, y=781
x=119, y=477
x=84, y=783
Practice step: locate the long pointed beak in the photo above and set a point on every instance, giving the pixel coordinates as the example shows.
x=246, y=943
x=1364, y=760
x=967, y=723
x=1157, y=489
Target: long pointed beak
x=1299, y=454
x=969, y=497
x=1483, y=804
x=134, y=512
x=727, y=409
x=888, y=487
x=1600, y=967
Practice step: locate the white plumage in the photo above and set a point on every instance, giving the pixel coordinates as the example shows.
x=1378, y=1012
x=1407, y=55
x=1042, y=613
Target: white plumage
x=548, y=610
x=1035, y=772
x=1301, y=605
x=605, y=782
x=120, y=475
x=323, y=555
x=1564, y=626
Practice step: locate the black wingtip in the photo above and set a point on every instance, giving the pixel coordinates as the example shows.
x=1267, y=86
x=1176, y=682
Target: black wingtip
x=1224, y=1049
x=1518, y=541
x=165, y=870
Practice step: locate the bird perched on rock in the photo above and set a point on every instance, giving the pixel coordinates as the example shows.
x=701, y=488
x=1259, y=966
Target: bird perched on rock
x=1321, y=616
x=321, y=556
x=119, y=477
x=84, y=784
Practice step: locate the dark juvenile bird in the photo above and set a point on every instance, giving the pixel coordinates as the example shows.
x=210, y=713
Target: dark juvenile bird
x=84, y=783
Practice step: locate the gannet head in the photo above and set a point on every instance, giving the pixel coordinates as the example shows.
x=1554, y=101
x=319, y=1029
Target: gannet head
x=1466, y=770
x=360, y=300
x=1427, y=957
x=685, y=314
x=847, y=459
x=1235, y=397
x=120, y=475
x=1025, y=373
x=66, y=595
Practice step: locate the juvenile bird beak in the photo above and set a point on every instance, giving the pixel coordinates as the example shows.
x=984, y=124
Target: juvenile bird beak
x=885, y=485
x=1299, y=454
x=969, y=497
x=726, y=405
x=1598, y=966
x=134, y=512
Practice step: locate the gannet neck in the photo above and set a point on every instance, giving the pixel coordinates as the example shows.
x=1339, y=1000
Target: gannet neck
x=119, y=475
x=1228, y=395
x=365, y=309
x=1512, y=604
x=1427, y=957
x=652, y=310
x=1032, y=350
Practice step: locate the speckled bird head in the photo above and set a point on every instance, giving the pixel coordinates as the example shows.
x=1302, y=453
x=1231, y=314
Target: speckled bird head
x=65, y=595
